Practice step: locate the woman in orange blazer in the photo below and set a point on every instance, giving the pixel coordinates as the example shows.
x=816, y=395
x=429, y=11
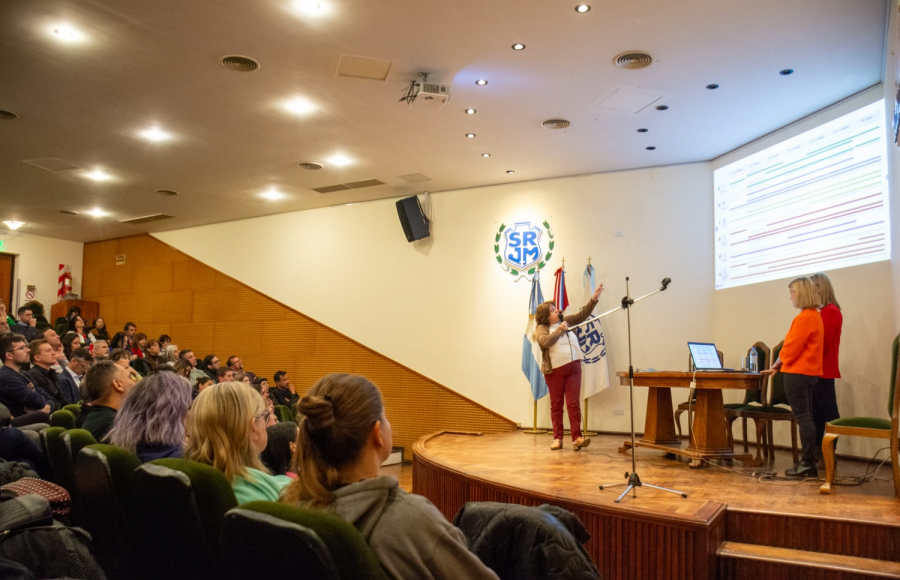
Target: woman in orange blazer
x=801, y=362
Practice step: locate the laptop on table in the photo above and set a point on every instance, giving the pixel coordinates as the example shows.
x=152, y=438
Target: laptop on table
x=706, y=357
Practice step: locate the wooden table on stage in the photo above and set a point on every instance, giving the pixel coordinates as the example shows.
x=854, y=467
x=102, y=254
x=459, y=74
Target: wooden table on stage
x=710, y=436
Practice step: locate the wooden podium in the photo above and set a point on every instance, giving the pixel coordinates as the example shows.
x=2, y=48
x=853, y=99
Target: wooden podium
x=710, y=436
x=89, y=310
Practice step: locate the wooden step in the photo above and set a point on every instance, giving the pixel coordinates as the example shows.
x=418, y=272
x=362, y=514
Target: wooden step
x=842, y=565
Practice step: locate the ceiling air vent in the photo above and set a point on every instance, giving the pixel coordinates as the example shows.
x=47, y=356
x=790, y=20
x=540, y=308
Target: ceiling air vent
x=8, y=115
x=146, y=219
x=239, y=63
x=165, y=191
x=351, y=185
x=68, y=212
x=311, y=166
x=633, y=60
x=555, y=124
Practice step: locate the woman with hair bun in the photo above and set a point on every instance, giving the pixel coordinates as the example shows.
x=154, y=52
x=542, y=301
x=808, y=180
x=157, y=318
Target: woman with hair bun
x=343, y=438
x=227, y=429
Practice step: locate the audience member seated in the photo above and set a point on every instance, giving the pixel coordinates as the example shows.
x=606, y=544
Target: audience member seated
x=170, y=354
x=124, y=339
x=237, y=365
x=26, y=324
x=202, y=384
x=72, y=313
x=227, y=429
x=279, y=452
x=98, y=330
x=211, y=364
x=153, y=355
x=4, y=315
x=284, y=392
x=224, y=375
x=4, y=326
x=151, y=422
x=17, y=393
x=106, y=384
x=182, y=368
x=100, y=348
x=261, y=387
x=42, y=375
x=70, y=342
x=59, y=359
x=188, y=355
x=143, y=365
x=69, y=380
x=343, y=438
x=16, y=445
x=139, y=345
x=164, y=341
x=76, y=325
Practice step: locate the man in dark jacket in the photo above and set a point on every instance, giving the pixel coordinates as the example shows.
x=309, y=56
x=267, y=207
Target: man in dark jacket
x=42, y=376
x=25, y=325
x=70, y=379
x=106, y=384
x=284, y=392
x=16, y=391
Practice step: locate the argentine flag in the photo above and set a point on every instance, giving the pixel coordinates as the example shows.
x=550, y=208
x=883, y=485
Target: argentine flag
x=531, y=351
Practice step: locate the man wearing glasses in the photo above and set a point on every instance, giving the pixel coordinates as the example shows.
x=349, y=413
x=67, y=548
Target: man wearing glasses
x=24, y=402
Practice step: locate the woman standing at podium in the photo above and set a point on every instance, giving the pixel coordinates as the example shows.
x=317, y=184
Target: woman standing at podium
x=801, y=362
x=561, y=364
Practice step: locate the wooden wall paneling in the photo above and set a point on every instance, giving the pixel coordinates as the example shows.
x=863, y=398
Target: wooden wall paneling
x=115, y=280
x=209, y=305
x=131, y=308
x=192, y=275
x=173, y=307
x=155, y=278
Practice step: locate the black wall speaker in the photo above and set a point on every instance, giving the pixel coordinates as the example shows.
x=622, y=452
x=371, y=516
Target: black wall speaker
x=414, y=222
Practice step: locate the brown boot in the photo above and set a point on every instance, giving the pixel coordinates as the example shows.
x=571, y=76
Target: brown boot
x=581, y=442
x=556, y=445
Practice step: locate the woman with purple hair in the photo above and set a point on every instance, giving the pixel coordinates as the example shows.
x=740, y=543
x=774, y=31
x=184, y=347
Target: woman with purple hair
x=151, y=420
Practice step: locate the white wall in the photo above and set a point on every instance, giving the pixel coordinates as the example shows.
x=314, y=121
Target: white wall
x=868, y=297
x=37, y=264
x=443, y=306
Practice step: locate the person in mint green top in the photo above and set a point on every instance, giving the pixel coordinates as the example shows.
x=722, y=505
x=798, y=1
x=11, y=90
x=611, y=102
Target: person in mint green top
x=227, y=429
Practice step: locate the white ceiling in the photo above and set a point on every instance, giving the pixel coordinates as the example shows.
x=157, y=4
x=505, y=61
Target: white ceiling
x=156, y=62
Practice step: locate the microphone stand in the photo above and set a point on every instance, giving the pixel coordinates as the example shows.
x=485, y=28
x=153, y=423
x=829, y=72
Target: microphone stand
x=634, y=481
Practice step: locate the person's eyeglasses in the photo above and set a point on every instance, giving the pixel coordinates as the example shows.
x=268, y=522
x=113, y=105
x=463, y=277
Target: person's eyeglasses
x=23, y=347
x=265, y=416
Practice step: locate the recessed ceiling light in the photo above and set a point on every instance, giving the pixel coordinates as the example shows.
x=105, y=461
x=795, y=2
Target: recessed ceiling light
x=481, y=82
x=662, y=108
x=155, y=134
x=518, y=46
x=471, y=111
x=272, y=194
x=309, y=7
x=68, y=34
x=470, y=135
x=582, y=8
x=485, y=154
x=509, y=171
x=786, y=72
x=13, y=224
x=642, y=130
x=712, y=87
x=339, y=160
x=298, y=106
x=98, y=175
x=651, y=148
x=96, y=212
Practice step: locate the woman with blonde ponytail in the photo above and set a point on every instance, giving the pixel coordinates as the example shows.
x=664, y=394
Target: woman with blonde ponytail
x=343, y=438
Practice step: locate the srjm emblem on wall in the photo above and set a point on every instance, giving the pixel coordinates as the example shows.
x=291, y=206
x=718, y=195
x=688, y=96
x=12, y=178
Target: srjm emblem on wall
x=519, y=248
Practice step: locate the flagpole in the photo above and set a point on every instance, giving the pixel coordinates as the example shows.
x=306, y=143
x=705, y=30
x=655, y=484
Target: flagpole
x=535, y=430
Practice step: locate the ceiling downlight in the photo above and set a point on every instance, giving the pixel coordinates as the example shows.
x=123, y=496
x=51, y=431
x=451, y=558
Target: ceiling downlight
x=555, y=124
x=310, y=166
x=633, y=60
x=239, y=63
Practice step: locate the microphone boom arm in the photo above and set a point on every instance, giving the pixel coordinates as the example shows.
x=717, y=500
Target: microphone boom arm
x=626, y=303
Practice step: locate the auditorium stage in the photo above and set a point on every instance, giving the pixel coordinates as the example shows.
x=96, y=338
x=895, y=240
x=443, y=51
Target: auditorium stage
x=731, y=525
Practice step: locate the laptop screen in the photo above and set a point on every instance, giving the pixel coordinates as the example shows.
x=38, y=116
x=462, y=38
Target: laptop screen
x=705, y=356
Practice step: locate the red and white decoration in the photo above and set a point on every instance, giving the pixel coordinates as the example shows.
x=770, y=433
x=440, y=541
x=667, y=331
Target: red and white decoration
x=64, y=282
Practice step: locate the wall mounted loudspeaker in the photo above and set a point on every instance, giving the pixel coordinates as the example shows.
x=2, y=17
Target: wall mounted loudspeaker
x=414, y=222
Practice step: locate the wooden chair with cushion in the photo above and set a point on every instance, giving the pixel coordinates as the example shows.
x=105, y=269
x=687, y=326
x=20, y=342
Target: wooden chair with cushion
x=321, y=545
x=180, y=506
x=103, y=478
x=689, y=405
x=62, y=418
x=753, y=399
x=868, y=427
x=777, y=409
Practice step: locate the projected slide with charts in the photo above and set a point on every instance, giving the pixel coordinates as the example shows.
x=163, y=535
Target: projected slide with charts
x=818, y=201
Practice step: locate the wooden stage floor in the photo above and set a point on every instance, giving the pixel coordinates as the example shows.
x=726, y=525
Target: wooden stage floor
x=728, y=502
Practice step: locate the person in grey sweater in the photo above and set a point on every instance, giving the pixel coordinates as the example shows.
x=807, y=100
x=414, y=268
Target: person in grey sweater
x=343, y=438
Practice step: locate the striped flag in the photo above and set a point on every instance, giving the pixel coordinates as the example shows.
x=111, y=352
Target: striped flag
x=559, y=291
x=531, y=351
x=595, y=370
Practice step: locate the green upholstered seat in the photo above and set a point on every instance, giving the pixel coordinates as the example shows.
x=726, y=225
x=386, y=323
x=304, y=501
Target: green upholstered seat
x=868, y=427
x=74, y=408
x=284, y=414
x=181, y=505
x=79, y=439
x=55, y=453
x=103, y=477
x=62, y=418
x=348, y=550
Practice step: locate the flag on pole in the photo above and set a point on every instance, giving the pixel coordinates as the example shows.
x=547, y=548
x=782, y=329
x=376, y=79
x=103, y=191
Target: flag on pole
x=559, y=291
x=531, y=351
x=595, y=371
